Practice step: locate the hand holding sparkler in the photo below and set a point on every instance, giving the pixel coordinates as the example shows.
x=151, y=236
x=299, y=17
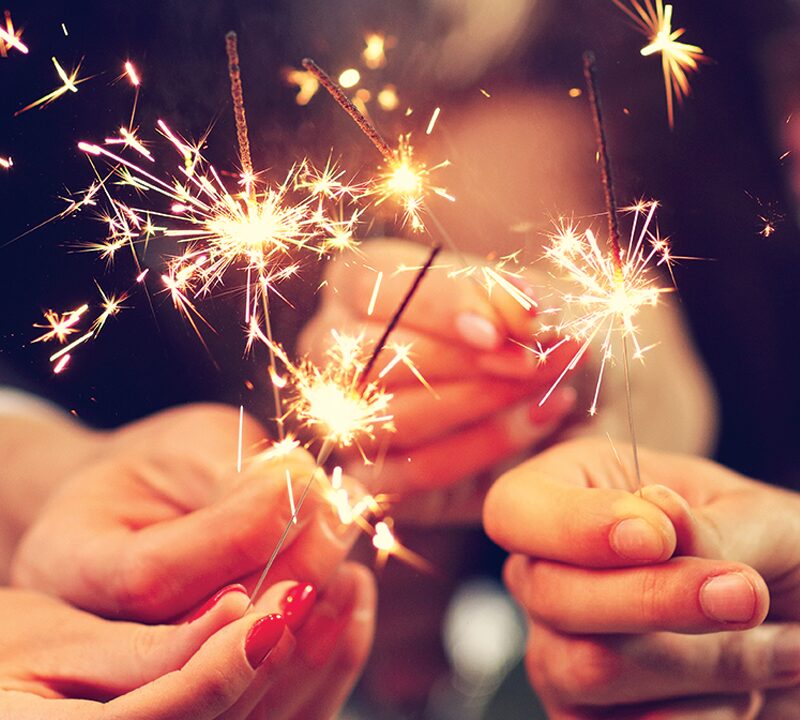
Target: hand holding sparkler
x=667, y=592
x=478, y=402
x=150, y=526
x=224, y=664
x=60, y=662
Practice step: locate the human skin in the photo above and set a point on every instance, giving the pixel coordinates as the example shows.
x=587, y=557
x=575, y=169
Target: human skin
x=679, y=602
x=226, y=664
x=148, y=521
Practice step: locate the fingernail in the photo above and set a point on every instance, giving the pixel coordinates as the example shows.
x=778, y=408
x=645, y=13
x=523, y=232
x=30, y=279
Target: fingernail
x=477, y=331
x=262, y=638
x=212, y=602
x=786, y=653
x=297, y=604
x=728, y=598
x=636, y=539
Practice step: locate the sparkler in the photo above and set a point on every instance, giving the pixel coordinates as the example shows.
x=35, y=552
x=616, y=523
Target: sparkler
x=402, y=179
x=615, y=284
x=344, y=406
x=678, y=59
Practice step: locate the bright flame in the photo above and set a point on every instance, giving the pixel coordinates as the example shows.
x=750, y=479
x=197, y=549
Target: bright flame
x=610, y=296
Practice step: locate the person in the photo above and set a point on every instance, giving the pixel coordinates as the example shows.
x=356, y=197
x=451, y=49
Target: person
x=133, y=554
x=682, y=597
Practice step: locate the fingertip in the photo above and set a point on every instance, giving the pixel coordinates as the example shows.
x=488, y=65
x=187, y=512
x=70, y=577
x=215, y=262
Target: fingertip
x=641, y=532
x=738, y=598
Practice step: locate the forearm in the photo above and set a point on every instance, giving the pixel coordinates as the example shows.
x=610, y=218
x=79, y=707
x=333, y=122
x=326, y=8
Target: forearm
x=39, y=446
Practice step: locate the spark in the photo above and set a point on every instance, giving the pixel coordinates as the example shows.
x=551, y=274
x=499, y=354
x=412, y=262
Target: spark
x=678, y=59
x=69, y=81
x=374, y=298
x=401, y=179
x=332, y=401
x=610, y=296
x=433, y=120
x=133, y=76
x=6, y=163
x=307, y=85
x=60, y=326
x=10, y=38
x=388, y=98
x=64, y=30
x=349, y=78
x=374, y=54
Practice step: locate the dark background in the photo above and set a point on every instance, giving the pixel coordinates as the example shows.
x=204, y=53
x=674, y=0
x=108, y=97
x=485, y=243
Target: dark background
x=715, y=174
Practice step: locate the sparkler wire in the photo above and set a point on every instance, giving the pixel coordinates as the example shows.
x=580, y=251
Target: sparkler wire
x=590, y=75
x=347, y=105
x=237, y=94
x=328, y=445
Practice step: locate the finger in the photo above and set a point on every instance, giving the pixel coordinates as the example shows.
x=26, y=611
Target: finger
x=320, y=546
x=588, y=670
x=527, y=511
x=689, y=595
x=738, y=706
x=214, y=429
x=448, y=307
x=420, y=419
x=331, y=648
x=470, y=451
x=166, y=568
x=106, y=659
x=433, y=357
x=212, y=681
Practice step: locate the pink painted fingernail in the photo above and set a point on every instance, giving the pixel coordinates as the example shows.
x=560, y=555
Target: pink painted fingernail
x=728, y=598
x=212, y=602
x=637, y=539
x=478, y=331
x=297, y=603
x=262, y=639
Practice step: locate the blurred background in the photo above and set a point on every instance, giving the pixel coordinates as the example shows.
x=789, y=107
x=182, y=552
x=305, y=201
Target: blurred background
x=727, y=176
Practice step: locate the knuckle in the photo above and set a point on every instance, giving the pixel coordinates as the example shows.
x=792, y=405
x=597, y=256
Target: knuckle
x=653, y=597
x=141, y=585
x=217, y=690
x=577, y=670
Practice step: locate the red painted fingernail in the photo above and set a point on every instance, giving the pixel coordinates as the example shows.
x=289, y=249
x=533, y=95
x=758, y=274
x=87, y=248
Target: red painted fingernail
x=297, y=603
x=207, y=606
x=262, y=638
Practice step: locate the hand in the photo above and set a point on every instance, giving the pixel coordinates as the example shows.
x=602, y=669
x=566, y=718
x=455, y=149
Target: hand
x=652, y=606
x=485, y=408
x=62, y=663
x=157, y=519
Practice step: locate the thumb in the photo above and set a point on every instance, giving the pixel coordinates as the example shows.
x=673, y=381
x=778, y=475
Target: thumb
x=213, y=679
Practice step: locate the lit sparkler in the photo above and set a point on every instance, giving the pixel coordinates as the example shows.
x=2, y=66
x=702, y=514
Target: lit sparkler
x=402, y=179
x=678, y=59
x=615, y=283
x=344, y=407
